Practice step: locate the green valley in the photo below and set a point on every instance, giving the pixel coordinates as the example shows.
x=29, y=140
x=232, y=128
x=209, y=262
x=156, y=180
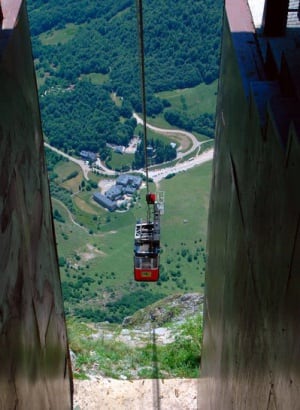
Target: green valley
x=86, y=56
x=87, y=65
x=96, y=247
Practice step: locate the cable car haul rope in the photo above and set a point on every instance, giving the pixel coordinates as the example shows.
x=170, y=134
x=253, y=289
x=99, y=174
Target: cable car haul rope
x=147, y=233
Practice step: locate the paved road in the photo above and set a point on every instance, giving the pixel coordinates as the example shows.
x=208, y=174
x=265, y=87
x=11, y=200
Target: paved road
x=195, y=143
x=104, y=169
x=85, y=168
x=156, y=174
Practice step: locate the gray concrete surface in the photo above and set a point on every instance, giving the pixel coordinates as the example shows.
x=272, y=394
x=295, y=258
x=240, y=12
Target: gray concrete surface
x=34, y=359
x=251, y=353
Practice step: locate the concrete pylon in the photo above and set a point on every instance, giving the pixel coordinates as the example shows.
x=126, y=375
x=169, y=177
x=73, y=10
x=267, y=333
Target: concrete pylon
x=35, y=371
x=251, y=355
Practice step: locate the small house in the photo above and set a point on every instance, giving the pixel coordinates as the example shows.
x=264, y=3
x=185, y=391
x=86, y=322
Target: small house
x=88, y=155
x=104, y=201
x=114, y=193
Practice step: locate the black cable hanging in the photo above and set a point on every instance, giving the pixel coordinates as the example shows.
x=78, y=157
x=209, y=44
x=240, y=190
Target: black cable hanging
x=139, y=8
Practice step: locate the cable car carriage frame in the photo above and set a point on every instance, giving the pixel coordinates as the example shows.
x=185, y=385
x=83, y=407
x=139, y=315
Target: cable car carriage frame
x=147, y=242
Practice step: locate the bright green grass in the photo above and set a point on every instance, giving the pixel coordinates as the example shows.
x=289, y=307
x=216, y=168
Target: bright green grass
x=186, y=199
x=156, y=135
x=184, y=224
x=97, y=244
x=104, y=244
x=195, y=101
x=62, y=36
x=96, y=78
x=64, y=170
x=70, y=236
x=160, y=122
x=120, y=160
x=114, y=358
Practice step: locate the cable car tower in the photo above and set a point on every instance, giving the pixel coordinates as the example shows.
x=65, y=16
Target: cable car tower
x=147, y=233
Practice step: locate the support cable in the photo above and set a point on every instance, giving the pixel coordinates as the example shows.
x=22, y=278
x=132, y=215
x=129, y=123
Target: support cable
x=139, y=8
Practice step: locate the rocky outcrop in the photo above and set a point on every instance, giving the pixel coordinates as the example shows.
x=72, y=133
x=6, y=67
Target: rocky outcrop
x=174, y=308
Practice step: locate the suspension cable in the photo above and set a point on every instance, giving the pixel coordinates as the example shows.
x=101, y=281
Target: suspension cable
x=140, y=22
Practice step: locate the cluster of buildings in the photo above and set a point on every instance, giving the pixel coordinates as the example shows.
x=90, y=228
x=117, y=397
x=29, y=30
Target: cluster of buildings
x=126, y=185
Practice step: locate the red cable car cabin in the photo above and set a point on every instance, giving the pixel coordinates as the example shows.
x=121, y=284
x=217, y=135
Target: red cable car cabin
x=146, y=253
x=146, y=247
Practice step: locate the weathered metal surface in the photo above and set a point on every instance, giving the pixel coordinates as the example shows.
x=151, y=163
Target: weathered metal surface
x=251, y=350
x=34, y=360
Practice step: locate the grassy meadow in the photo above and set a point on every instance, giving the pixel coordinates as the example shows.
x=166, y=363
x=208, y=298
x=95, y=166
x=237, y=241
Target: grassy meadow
x=95, y=246
x=54, y=37
x=196, y=100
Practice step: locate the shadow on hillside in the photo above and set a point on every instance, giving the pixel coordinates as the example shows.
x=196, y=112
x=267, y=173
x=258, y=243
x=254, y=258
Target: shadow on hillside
x=156, y=388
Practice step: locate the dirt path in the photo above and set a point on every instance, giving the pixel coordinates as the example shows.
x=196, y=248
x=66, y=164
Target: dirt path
x=69, y=214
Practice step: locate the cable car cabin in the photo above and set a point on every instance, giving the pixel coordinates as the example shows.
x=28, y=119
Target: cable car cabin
x=146, y=252
x=147, y=246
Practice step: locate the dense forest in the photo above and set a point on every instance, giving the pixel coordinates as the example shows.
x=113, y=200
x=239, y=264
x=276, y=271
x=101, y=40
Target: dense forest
x=87, y=51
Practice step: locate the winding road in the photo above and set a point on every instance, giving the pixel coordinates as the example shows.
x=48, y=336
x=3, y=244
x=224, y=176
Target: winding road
x=156, y=174
x=85, y=168
x=175, y=133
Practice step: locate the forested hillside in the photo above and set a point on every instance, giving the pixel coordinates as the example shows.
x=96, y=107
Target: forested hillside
x=86, y=55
